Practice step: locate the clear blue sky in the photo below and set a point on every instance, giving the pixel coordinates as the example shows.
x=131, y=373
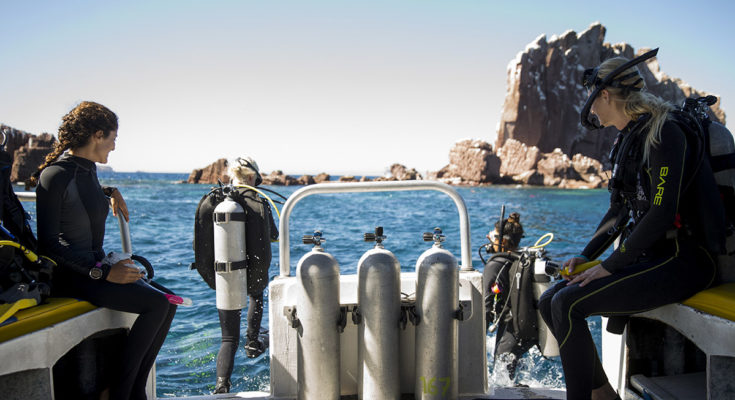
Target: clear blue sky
x=311, y=86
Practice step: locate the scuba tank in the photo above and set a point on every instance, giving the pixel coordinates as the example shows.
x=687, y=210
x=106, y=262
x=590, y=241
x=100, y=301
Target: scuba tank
x=437, y=308
x=379, y=308
x=230, y=258
x=318, y=311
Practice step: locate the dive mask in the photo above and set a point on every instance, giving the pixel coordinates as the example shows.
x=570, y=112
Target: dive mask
x=245, y=163
x=594, y=84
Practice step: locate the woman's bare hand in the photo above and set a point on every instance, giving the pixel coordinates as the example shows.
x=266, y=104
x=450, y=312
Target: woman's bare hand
x=122, y=273
x=118, y=204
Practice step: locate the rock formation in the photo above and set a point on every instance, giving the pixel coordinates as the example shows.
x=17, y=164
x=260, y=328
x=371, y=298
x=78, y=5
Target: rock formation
x=277, y=177
x=544, y=94
x=471, y=162
x=401, y=173
x=211, y=173
x=323, y=177
x=28, y=151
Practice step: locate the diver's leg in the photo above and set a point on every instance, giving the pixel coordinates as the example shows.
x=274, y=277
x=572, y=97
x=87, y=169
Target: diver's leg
x=229, y=321
x=635, y=289
x=152, y=308
x=254, y=347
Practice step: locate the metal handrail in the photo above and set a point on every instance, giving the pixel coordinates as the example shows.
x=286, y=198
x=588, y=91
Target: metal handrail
x=322, y=188
x=127, y=246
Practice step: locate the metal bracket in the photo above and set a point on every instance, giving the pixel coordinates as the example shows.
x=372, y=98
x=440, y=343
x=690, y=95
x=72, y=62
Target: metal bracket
x=356, y=316
x=412, y=315
x=459, y=313
x=342, y=322
x=293, y=320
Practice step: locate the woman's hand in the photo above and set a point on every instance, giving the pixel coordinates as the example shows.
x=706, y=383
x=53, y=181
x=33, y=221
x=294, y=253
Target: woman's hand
x=118, y=204
x=583, y=278
x=122, y=273
x=569, y=266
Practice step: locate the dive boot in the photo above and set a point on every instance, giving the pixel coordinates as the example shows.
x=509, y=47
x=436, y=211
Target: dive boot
x=254, y=348
x=223, y=385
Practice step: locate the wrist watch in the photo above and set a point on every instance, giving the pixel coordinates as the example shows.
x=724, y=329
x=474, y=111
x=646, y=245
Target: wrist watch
x=96, y=271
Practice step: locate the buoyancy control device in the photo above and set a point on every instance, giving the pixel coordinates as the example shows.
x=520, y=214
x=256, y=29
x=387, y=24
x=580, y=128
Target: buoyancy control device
x=517, y=281
x=23, y=273
x=259, y=232
x=719, y=151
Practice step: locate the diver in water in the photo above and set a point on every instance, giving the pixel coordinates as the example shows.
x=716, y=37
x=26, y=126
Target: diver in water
x=665, y=188
x=512, y=340
x=71, y=208
x=260, y=231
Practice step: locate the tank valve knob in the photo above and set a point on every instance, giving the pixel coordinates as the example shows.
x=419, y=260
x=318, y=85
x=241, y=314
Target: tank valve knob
x=437, y=237
x=316, y=239
x=377, y=237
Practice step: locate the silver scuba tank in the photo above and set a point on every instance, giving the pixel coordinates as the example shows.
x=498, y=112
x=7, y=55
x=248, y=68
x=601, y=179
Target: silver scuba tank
x=230, y=257
x=318, y=310
x=379, y=308
x=437, y=307
x=543, y=269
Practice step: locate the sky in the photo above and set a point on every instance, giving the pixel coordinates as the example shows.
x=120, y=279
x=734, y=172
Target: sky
x=343, y=87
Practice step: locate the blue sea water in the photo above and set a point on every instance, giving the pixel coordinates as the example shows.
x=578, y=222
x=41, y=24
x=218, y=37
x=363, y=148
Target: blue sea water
x=162, y=220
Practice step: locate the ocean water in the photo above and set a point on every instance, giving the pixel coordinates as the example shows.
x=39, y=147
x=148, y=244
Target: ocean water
x=162, y=220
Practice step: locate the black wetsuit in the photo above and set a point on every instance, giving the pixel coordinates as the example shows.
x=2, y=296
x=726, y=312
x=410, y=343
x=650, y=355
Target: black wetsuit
x=260, y=229
x=72, y=210
x=656, y=264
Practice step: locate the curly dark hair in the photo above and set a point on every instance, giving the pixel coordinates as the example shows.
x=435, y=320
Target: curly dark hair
x=512, y=229
x=77, y=127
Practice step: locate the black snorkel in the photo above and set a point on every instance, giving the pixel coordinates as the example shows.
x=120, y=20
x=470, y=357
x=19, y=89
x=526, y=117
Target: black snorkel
x=590, y=80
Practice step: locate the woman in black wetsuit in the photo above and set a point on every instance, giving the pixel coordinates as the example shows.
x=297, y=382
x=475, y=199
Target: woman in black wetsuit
x=72, y=208
x=658, y=261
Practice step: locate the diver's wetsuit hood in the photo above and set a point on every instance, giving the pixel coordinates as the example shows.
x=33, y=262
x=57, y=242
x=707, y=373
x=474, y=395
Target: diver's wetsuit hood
x=591, y=81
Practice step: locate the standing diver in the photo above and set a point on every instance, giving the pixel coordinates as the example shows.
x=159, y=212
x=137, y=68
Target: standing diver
x=665, y=188
x=260, y=231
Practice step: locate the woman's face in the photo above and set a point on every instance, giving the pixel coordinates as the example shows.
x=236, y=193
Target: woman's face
x=600, y=108
x=104, y=146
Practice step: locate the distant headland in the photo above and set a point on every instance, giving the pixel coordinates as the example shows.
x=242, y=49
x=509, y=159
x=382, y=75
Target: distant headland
x=539, y=139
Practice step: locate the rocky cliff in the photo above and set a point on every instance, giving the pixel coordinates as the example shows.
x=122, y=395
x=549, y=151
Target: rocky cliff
x=544, y=94
x=28, y=151
x=540, y=139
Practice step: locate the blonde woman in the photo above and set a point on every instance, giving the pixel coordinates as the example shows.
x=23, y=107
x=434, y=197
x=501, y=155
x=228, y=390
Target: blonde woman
x=661, y=189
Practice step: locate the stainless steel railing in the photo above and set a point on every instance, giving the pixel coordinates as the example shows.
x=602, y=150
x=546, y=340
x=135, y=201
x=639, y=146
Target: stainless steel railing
x=322, y=188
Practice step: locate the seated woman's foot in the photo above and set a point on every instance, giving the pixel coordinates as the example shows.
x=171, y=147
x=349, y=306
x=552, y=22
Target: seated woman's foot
x=254, y=348
x=223, y=385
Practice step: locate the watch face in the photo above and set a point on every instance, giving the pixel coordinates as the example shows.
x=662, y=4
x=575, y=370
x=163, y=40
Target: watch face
x=95, y=273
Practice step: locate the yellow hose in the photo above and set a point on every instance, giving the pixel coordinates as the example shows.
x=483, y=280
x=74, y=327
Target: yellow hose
x=260, y=192
x=537, y=245
x=580, y=267
x=31, y=256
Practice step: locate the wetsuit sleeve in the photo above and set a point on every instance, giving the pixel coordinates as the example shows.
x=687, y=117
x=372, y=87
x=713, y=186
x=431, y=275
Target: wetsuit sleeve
x=49, y=198
x=608, y=230
x=666, y=176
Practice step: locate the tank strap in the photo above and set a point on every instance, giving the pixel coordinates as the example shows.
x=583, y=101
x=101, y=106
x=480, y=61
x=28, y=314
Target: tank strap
x=229, y=266
x=223, y=217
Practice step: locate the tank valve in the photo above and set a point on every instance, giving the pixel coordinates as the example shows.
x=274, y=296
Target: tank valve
x=376, y=237
x=316, y=239
x=437, y=237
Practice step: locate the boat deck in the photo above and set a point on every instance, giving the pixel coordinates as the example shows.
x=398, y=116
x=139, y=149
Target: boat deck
x=504, y=393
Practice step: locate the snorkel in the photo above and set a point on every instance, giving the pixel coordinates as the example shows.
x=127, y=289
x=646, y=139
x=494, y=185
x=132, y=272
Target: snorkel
x=592, y=82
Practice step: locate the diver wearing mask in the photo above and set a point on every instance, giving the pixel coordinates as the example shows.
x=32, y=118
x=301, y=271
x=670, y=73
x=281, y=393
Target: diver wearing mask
x=660, y=188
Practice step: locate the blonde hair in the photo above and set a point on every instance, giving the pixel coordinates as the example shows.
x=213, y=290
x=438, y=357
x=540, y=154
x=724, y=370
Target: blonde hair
x=637, y=101
x=239, y=173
